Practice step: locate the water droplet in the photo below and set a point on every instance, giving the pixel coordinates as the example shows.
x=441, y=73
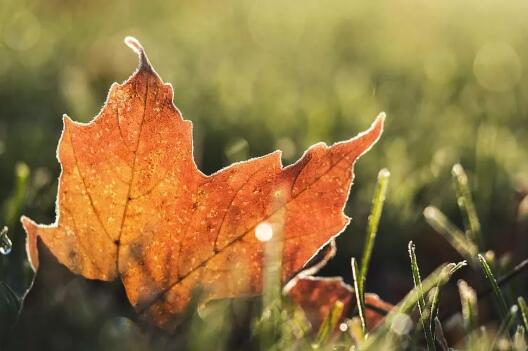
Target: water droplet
x=5, y=242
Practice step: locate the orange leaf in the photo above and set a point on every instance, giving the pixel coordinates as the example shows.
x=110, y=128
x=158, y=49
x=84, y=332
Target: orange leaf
x=133, y=205
x=317, y=295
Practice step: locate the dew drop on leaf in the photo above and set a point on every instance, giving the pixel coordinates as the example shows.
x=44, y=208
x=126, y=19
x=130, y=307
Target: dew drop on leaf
x=5, y=242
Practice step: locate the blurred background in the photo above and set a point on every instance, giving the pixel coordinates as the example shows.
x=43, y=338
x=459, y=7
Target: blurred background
x=255, y=76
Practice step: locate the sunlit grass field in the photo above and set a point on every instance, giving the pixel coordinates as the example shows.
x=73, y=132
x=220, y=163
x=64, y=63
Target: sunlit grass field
x=256, y=76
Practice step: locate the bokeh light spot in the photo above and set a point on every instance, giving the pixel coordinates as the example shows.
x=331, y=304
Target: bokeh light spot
x=497, y=67
x=264, y=232
x=22, y=31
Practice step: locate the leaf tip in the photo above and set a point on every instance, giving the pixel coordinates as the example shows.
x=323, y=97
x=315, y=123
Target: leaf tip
x=27, y=223
x=364, y=141
x=31, y=229
x=66, y=118
x=136, y=46
x=376, y=127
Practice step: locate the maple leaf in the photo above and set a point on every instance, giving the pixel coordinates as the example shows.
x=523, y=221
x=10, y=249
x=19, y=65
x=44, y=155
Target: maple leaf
x=133, y=205
x=317, y=295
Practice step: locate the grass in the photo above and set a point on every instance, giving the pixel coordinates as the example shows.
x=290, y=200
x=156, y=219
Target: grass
x=425, y=313
x=399, y=329
x=465, y=247
x=281, y=325
x=373, y=222
x=499, y=297
x=329, y=325
x=468, y=301
x=466, y=205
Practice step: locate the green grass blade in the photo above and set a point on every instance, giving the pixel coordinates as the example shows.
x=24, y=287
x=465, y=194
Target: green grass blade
x=373, y=222
x=360, y=298
x=439, y=222
x=517, y=270
x=524, y=310
x=329, y=324
x=468, y=300
x=466, y=205
x=436, y=279
x=425, y=314
x=499, y=297
x=435, y=307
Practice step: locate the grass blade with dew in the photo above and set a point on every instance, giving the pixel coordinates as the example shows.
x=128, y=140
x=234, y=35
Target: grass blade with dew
x=5, y=242
x=524, y=311
x=329, y=324
x=460, y=242
x=434, y=301
x=438, y=278
x=373, y=222
x=499, y=297
x=359, y=298
x=425, y=314
x=468, y=300
x=466, y=205
x=505, y=279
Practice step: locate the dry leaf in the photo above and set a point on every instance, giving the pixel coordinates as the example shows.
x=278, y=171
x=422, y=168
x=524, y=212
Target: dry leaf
x=133, y=205
x=317, y=295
